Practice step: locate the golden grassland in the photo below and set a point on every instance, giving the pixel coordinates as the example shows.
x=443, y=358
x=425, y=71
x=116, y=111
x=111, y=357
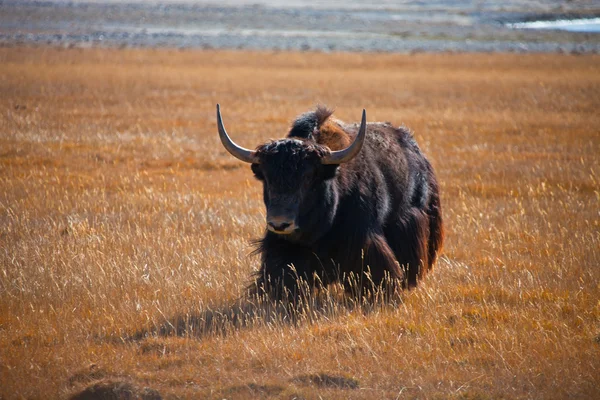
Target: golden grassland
x=119, y=210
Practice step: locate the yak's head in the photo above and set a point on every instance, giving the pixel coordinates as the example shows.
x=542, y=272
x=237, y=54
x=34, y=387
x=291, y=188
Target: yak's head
x=297, y=179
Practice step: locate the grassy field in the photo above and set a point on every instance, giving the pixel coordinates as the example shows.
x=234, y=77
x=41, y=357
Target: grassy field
x=120, y=210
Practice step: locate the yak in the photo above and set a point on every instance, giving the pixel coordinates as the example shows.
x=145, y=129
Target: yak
x=345, y=203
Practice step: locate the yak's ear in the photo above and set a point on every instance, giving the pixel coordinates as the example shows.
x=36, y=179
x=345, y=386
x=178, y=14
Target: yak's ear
x=330, y=171
x=257, y=172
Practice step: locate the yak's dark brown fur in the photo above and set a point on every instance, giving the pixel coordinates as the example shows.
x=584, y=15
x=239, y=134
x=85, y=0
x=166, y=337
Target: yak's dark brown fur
x=374, y=217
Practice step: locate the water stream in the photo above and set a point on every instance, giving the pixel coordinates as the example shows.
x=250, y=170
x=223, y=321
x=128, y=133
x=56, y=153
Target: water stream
x=589, y=25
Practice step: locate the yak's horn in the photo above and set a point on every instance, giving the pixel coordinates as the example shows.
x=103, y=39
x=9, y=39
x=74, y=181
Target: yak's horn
x=342, y=156
x=238, y=152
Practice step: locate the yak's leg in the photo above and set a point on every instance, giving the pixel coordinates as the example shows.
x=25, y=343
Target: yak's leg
x=378, y=268
x=285, y=272
x=408, y=237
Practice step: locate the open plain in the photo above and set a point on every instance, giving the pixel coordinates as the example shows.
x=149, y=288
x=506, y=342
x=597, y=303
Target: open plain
x=120, y=211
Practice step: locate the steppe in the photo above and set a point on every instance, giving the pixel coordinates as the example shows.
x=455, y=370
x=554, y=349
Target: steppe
x=120, y=210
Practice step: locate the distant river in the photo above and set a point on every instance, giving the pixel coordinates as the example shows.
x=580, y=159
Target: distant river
x=589, y=25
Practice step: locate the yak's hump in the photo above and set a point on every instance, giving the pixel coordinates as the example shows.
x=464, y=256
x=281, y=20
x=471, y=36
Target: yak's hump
x=318, y=126
x=309, y=123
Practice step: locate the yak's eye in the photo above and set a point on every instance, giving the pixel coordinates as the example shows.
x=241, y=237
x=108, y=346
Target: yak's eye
x=308, y=178
x=257, y=172
x=329, y=171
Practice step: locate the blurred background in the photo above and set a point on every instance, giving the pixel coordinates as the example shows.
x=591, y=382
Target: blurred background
x=349, y=25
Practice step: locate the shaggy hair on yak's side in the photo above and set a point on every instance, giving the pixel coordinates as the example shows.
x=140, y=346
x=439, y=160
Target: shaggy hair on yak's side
x=378, y=214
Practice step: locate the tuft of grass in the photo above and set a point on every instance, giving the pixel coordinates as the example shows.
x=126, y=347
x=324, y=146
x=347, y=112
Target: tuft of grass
x=125, y=227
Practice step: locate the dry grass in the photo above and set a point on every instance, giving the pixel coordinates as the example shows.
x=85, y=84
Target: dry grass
x=119, y=210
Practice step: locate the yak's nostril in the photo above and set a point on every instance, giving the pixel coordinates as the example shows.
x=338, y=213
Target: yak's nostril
x=279, y=226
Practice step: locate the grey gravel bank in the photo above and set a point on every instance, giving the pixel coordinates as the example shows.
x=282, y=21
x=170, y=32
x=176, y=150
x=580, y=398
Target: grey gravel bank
x=399, y=27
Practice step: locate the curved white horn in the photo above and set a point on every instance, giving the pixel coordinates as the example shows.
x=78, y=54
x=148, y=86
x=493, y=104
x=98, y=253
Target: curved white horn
x=238, y=152
x=342, y=156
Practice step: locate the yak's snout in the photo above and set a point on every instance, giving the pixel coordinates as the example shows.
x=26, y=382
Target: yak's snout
x=281, y=225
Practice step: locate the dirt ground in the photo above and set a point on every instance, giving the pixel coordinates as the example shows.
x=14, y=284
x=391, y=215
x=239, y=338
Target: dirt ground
x=120, y=213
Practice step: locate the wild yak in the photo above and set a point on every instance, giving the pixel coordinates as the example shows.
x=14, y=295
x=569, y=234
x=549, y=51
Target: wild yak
x=344, y=203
